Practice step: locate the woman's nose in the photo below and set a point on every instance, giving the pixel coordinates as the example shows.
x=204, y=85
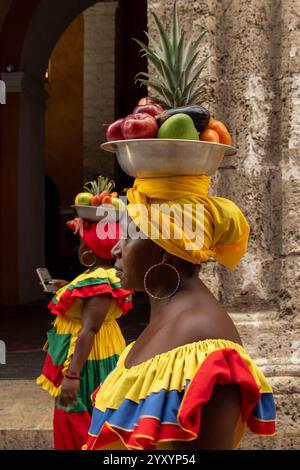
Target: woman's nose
x=116, y=250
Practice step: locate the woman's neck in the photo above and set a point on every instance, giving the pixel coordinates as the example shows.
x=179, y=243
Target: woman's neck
x=159, y=307
x=101, y=264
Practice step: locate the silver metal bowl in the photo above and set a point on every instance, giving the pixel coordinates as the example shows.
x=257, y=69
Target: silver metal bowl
x=95, y=214
x=146, y=158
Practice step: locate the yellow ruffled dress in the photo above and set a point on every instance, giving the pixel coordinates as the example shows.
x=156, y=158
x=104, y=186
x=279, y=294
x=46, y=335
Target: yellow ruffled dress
x=108, y=343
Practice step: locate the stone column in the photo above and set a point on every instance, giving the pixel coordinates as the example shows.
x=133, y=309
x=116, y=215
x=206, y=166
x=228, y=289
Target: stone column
x=99, y=86
x=22, y=173
x=254, y=87
x=290, y=157
x=246, y=90
x=31, y=190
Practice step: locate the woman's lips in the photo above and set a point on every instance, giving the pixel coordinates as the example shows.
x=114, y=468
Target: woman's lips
x=118, y=270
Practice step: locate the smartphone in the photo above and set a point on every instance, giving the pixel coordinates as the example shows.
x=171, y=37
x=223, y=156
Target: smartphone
x=46, y=279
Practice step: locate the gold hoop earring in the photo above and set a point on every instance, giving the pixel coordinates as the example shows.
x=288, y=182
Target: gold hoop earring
x=88, y=252
x=147, y=274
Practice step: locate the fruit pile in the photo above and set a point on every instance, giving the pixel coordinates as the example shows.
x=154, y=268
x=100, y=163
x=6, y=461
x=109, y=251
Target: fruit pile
x=149, y=120
x=99, y=192
x=177, y=112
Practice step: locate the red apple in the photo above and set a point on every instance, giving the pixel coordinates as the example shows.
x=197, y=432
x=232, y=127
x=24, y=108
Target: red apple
x=114, y=131
x=146, y=100
x=152, y=109
x=139, y=126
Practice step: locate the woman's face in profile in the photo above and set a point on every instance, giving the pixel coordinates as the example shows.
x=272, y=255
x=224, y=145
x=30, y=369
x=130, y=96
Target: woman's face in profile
x=133, y=257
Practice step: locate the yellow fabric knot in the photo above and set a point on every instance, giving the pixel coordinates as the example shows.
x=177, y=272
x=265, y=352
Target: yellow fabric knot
x=170, y=188
x=182, y=204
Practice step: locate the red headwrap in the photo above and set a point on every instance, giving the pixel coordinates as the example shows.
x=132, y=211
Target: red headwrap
x=97, y=237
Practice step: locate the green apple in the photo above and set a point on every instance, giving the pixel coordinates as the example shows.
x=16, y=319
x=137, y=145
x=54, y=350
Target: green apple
x=118, y=204
x=83, y=199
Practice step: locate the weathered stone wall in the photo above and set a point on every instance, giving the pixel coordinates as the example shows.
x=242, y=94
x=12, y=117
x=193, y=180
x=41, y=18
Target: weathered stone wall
x=99, y=86
x=254, y=86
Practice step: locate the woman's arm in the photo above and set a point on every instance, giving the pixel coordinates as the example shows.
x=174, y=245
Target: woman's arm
x=58, y=283
x=218, y=421
x=93, y=314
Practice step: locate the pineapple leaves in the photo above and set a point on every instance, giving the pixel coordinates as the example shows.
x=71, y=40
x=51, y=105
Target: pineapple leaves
x=175, y=28
x=195, y=97
x=150, y=55
x=165, y=41
x=158, y=63
x=159, y=88
x=198, y=69
x=192, y=50
x=179, y=59
x=154, y=43
x=178, y=80
x=91, y=187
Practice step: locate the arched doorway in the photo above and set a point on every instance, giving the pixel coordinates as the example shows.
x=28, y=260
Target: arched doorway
x=49, y=19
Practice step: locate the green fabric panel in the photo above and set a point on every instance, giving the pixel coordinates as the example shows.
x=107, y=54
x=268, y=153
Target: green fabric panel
x=93, y=373
x=88, y=282
x=93, y=282
x=58, y=346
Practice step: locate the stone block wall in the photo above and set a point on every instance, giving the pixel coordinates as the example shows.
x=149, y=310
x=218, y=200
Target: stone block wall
x=254, y=86
x=99, y=86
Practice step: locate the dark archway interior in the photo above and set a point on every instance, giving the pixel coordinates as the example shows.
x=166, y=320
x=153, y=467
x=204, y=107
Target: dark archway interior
x=131, y=22
x=52, y=225
x=48, y=22
x=29, y=33
x=45, y=28
x=29, y=48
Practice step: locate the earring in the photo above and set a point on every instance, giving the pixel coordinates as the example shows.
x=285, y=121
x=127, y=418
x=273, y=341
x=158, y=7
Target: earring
x=85, y=253
x=161, y=265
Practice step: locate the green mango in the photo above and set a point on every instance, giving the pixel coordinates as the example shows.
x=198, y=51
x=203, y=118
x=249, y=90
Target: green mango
x=179, y=126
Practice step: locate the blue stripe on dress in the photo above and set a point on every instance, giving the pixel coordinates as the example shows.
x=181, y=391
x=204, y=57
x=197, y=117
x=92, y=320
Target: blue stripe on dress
x=162, y=405
x=265, y=409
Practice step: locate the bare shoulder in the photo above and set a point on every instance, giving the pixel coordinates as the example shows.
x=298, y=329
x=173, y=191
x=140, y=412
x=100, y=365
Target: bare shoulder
x=198, y=324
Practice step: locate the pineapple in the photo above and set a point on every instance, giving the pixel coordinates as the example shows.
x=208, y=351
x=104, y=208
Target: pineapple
x=98, y=186
x=179, y=81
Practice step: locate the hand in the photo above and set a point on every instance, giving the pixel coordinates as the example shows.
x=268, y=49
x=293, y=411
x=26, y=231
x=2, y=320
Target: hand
x=69, y=391
x=58, y=283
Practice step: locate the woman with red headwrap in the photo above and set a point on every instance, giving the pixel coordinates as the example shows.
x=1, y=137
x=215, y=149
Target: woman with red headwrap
x=85, y=342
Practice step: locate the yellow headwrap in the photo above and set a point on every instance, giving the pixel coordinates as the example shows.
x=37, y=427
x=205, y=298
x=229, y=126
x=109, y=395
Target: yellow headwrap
x=225, y=229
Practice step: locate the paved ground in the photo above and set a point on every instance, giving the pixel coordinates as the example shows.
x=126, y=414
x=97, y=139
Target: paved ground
x=25, y=416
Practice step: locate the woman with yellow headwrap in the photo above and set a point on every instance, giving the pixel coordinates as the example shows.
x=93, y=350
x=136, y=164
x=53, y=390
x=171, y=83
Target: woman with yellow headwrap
x=186, y=382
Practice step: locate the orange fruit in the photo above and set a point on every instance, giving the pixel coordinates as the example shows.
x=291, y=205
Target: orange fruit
x=106, y=200
x=221, y=129
x=209, y=135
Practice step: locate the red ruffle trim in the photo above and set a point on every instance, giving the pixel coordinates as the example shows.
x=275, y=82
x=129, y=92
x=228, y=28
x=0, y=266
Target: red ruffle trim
x=68, y=297
x=220, y=368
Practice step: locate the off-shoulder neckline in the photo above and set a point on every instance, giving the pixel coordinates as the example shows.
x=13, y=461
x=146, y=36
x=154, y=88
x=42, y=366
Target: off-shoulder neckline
x=174, y=350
